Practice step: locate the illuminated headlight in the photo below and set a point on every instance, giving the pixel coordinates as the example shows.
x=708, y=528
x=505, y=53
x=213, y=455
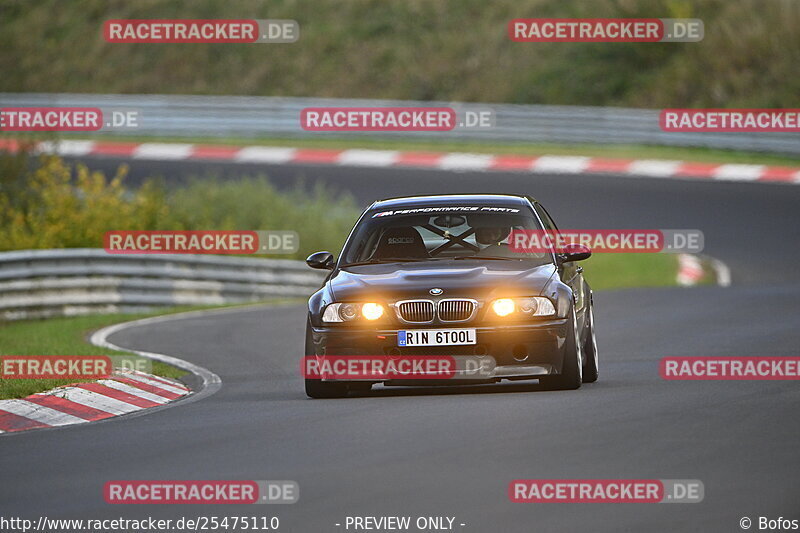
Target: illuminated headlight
x=347, y=312
x=503, y=306
x=371, y=311
x=533, y=306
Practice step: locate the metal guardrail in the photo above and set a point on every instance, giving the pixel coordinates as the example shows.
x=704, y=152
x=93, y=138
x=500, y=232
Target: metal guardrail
x=44, y=283
x=241, y=116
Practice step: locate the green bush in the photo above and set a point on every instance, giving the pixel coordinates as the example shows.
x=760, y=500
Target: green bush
x=55, y=209
x=55, y=205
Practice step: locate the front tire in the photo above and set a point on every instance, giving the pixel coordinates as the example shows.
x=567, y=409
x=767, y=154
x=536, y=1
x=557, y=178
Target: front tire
x=316, y=388
x=571, y=375
x=590, y=372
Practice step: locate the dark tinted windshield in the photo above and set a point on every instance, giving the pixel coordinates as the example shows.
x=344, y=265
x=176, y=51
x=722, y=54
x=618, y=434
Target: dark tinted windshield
x=405, y=235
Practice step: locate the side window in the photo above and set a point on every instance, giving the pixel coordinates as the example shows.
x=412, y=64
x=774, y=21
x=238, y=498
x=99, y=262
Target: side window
x=545, y=216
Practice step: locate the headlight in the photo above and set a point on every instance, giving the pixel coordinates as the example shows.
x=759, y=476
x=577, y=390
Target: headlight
x=348, y=312
x=372, y=311
x=533, y=306
x=503, y=306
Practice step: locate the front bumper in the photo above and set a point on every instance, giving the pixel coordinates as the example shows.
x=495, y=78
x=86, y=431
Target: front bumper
x=518, y=351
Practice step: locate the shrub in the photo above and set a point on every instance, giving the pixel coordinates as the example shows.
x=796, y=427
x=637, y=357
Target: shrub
x=55, y=205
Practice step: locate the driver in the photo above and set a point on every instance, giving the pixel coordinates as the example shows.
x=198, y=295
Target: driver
x=493, y=237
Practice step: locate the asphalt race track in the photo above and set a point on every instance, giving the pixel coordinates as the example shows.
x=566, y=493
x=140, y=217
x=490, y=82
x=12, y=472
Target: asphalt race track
x=453, y=452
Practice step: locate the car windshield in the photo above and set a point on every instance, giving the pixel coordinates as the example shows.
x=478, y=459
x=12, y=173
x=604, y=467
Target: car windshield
x=480, y=234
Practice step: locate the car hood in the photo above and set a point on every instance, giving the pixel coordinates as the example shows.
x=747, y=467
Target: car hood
x=468, y=279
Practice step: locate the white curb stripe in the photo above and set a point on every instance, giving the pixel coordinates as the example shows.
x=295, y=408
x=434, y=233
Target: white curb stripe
x=163, y=151
x=368, y=158
x=65, y=147
x=158, y=379
x=723, y=273
x=561, y=164
x=124, y=387
x=738, y=172
x=654, y=168
x=158, y=384
x=96, y=401
x=39, y=413
x=264, y=154
x=457, y=161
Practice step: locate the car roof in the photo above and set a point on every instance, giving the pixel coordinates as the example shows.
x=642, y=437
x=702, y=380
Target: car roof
x=442, y=200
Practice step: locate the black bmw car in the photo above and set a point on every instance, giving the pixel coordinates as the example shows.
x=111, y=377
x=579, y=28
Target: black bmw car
x=436, y=276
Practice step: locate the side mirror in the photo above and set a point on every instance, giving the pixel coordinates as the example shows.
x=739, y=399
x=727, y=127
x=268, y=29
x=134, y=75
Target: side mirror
x=321, y=260
x=575, y=252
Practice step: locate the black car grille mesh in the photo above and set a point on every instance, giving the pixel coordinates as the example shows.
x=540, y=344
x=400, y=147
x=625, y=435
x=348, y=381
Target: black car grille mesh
x=455, y=310
x=416, y=311
x=422, y=311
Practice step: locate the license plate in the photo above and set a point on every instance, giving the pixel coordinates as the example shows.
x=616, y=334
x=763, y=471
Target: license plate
x=435, y=337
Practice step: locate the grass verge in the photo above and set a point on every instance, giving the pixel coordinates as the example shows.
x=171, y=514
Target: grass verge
x=619, y=271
